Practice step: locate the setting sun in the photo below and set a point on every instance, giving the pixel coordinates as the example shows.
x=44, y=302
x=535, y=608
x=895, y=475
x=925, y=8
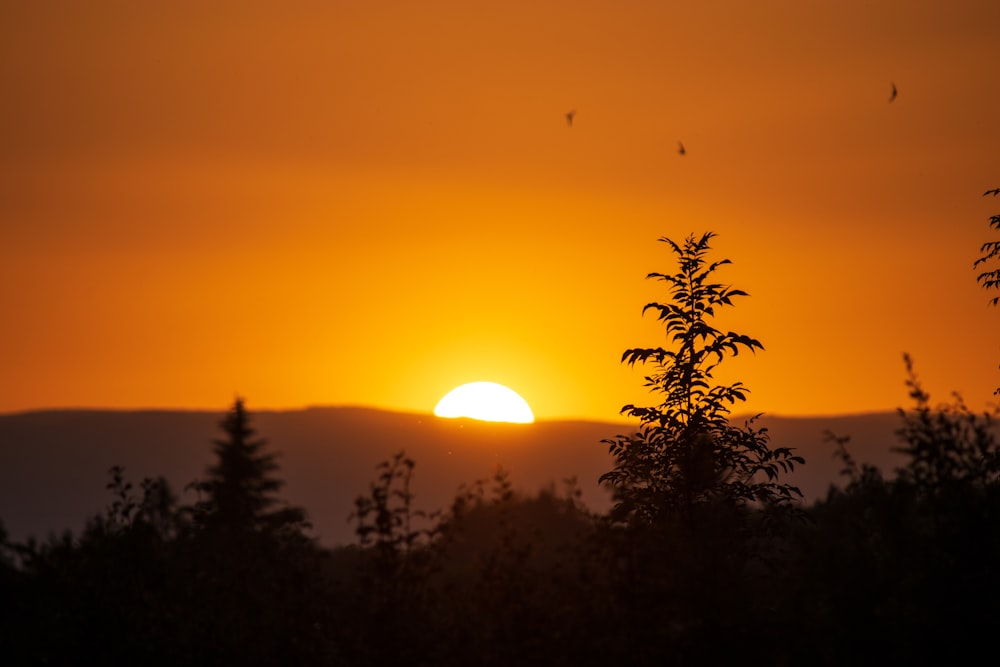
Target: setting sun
x=487, y=401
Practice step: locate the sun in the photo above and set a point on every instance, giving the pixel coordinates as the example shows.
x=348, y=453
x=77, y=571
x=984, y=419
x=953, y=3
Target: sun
x=487, y=401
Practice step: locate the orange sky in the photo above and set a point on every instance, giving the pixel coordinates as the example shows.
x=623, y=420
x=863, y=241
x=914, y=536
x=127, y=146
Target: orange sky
x=372, y=202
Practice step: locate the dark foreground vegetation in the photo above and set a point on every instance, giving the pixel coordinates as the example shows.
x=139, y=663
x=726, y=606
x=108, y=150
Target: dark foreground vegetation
x=706, y=558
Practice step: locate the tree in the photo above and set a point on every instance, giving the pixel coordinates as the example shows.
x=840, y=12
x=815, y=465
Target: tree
x=241, y=486
x=249, y=574
x=687, y=453
x=887, y=559
x=697, y=525
x=947, y=447
x=990, y=280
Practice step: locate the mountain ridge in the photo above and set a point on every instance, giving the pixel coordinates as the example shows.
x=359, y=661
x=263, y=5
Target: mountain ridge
x=54, y=462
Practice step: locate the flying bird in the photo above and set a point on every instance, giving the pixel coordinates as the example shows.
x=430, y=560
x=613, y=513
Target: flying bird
x=892, y=95
x=680, y=148
x=569, y=117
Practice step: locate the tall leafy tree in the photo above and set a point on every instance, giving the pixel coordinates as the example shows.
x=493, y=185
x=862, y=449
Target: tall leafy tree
x=687, y=452
x=690, y=547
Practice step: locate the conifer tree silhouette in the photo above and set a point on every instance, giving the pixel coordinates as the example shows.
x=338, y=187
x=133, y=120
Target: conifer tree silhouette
x=250, y=564
x=241, y=487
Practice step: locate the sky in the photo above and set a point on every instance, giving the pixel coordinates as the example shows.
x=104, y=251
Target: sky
x=372, y=202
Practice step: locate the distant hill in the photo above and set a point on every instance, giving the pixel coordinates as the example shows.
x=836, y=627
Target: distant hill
x=53, y=464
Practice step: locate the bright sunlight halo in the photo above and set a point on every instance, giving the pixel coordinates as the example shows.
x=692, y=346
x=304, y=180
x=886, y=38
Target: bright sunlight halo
x=487, y=401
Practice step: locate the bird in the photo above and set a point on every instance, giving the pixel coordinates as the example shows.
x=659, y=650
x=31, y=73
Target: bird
x=569, y=117
x=680, y=148
x=892, y=95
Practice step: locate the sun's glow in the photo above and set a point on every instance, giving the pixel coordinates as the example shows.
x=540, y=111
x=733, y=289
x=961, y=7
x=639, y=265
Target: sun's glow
x=487, y=401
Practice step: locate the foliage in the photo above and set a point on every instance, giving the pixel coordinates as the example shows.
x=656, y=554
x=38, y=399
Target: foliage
x=248, y=560
x=151, y=582
x=989, y=251
x=502, y=578
x=241, y=487
x=155, y=510
x=385, y=518
x=694, y=542
x=858, y=475
x=514, y=577
x=890, y=559
x=493, y=578
x=946, y=446
x=687, y=452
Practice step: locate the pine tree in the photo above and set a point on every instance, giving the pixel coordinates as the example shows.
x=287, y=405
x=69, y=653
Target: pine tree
x=241, y=487
x=250, y=566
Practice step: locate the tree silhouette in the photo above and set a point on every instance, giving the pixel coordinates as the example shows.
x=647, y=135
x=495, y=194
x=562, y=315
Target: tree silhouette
x=698, y=505
x=890, y=559
x=990, y=280
x=946, y=447
x=241, y=487
x=249, y=569
x=687, y=452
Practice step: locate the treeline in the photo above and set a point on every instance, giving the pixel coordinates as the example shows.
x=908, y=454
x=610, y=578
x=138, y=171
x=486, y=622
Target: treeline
x=900, y=569
x=707, y=556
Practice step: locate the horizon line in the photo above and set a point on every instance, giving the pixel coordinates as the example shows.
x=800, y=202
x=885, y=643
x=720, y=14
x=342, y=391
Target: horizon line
x=429, y=413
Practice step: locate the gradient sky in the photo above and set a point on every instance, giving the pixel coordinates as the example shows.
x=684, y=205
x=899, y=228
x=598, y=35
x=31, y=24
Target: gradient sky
x=369, y=203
